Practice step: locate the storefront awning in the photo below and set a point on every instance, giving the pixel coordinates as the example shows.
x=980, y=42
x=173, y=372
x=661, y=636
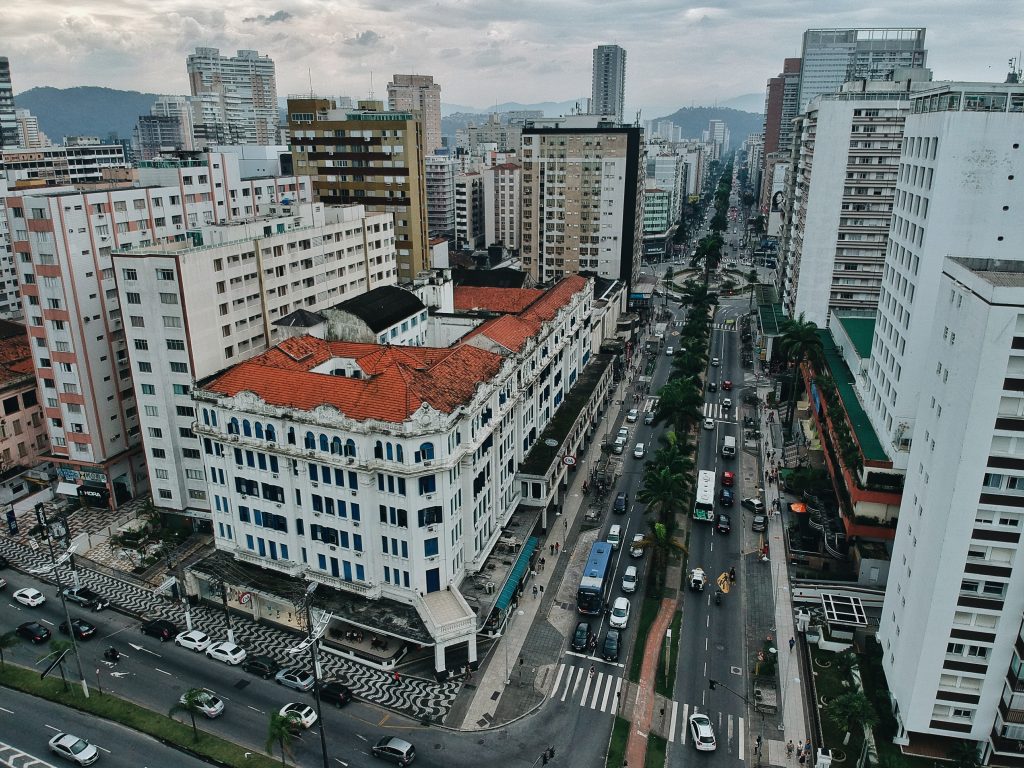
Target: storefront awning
x=522, y=563
x=67, y=489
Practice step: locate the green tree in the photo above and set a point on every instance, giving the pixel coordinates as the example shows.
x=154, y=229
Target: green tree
x=190, y=703
x=660, y=543
x=57, y=647
x=7, y=640
x=964, y=754
x=752, y=282
x=281, y=731
x=800, y=343
x=679, y=404
x=849, y=708
x=663, y=493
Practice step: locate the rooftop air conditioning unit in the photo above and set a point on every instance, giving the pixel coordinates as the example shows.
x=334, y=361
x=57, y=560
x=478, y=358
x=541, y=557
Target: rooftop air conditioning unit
x=489, y=587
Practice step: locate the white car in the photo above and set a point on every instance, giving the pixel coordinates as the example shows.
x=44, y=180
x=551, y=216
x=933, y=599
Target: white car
x=209, y=703
x=303, y=714
x=629, y=579
x=229, y=653
x=702, y=732
x=727, y=402
x=633, y=415
x=619, y=445
x=636, y=548
x=624, y=433
x=709, y=423
x=193, y=639
x=75, y=749
x=30, y=597
x=639, y=451
x=669, y=351
x=714, y=362
x=620, y=613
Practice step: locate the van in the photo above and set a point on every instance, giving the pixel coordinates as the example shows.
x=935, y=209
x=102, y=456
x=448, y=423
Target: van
x=615, y=536
x=729, y=446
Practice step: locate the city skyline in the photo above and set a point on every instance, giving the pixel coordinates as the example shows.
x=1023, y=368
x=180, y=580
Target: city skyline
x=549, y=49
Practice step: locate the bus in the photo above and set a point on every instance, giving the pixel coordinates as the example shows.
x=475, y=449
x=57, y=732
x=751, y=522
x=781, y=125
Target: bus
x=704, y=506
x=596, y=581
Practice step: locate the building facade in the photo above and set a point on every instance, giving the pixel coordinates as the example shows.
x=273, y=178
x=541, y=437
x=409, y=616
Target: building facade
x=469, y=211
x=8, y=116
x=23, y=436
x=244, y=90
x=86, y=162
x=501, y=190
x=422, y=96
x=440, y=185
x=608, y=82
x=780, y=107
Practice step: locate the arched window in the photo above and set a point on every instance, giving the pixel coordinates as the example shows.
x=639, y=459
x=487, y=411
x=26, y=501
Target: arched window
x=206, y=417
x=350, y=447
x=271, y=434
x=390, y=451
x=336, y=446
x=310, y=440
x=213, y=418
x=257, y=430
x=291, y=435
x=399, y=453
x=246, y=428
x=324, y=445
x=233, y=426
x=426, y=452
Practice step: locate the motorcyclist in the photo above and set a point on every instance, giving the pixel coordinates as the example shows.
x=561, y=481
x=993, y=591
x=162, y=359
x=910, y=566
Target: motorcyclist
x=111, y=653
x=732, y=574
x=718, y=597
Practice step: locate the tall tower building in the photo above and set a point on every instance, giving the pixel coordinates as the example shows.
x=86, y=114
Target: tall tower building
x=832, y=57
x=780, y=107
x=421, y=95
x=8, y=119
x=244, y=90
x=608, y=84
x=370, y=157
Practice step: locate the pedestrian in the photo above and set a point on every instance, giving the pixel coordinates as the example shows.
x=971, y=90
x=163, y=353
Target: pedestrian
x=789, y=748
x=535, y=590
x=542, y=589
x=803, y=758
x=807, y=747
x=557, y=547
x=533, y=575
x=552, y=547
x=396, y=678
x=543, y=562
x=792, y=643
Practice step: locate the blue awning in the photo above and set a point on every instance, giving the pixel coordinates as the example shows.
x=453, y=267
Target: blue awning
x=522, y=563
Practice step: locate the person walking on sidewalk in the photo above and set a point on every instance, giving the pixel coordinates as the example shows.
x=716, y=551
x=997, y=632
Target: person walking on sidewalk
x=535, y=590
x=792, y=643
x=556, y=547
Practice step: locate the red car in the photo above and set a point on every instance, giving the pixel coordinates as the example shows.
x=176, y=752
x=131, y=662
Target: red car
x=727, y=479
x=726, y=386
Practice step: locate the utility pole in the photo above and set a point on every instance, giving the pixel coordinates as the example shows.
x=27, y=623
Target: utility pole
x=759, y=743
x=311, y=642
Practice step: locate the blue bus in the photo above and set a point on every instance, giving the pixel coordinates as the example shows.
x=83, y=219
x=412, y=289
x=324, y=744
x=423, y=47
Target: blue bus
x=596, y=581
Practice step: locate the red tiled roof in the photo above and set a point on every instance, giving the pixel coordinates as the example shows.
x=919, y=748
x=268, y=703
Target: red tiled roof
x=508, y=300
x=15, y=354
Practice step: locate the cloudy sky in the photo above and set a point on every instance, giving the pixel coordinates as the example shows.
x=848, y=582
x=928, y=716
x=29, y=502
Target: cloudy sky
x=482, y=52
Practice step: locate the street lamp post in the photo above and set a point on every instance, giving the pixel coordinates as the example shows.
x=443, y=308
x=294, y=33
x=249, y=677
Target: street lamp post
x=311, y=642
x=759, y=748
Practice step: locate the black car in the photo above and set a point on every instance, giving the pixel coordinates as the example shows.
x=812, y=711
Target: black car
x=161, y=629
x=34, y=631
x=334, y=692
x=264, y=666
x=83, y=629
x=610, y=649
x=86, y=597
x=712, y=386
x=581, y=638
x=725, y=497
x=620, y=503
x=723, y=524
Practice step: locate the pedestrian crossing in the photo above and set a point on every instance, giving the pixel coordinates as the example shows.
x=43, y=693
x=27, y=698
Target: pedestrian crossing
x=719, y=412
x=724, y=326
x=600, y=691
x=729, y=729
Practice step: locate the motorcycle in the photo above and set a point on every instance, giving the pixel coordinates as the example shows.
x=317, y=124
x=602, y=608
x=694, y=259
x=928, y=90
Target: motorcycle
x=718, y=597
x=111, y=654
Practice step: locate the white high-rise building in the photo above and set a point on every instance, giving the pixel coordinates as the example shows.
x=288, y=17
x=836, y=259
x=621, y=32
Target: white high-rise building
x=419, y=94
x=501, y=204
x=244, y=94
x=8, y=116
x=440, y=186
x=469, y=211
x=608, y=81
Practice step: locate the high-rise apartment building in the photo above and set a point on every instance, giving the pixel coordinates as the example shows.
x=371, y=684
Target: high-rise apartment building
x=420, y=95
x=469, y=211
x=440, y=185
x=240, y=91
x=501, y=187
x=832, y=57
x=780, y=103
x=717, y=137
x=583, y=182
x=8, y=118
x=370, y=157
x=63, y=241
x=29, y=135
x=80, y=161
x=608, y=81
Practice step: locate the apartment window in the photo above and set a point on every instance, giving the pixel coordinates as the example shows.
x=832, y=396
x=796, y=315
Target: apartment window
x=136, y=321
x=176, y=344
x=152, y=410
x=145, y=368
x=168, y=298
x=141, y=344
x=130, y=274
x=179, y=367
x=165, y=274
x=133, y=298
x=172, y=322
x=148, y=389
x=155, y=432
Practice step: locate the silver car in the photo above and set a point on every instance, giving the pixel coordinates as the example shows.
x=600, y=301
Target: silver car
x=296, y=679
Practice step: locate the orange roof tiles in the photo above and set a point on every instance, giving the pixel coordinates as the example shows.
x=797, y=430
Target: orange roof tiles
x=508, y=300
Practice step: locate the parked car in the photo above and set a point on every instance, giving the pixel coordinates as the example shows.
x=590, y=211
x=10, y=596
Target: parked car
x=581, y=637
x=619, y=446
x=728, y=478
x=86, y=597
x=161, y=629
x=394, y=749
x=725, y=497
x=83, y=629
x=620, y=503
x=633, y=415
x=754, y=505
x=4, y=562
x=669, y=351
x=723, y=523
x=629, y=579
x=75, y=749
x=194, y=640
x=209, y=703
x=34, y=631
x=620, y=613
x=624, y=433
x=227, y=652
x=303, y=714
x=610, y=647
x=759, y=523
x=264, y=666
x=33, y=598
x=297, y=679
x=3, y=584
x=335, y=692
x=702, y=732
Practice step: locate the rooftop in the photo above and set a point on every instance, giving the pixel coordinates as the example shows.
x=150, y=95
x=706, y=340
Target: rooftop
x=512, y=330
x=860, y=329
x=300, y=318
x=495, y=278
x=506, y=300
x=870, y=446
x=382, y=307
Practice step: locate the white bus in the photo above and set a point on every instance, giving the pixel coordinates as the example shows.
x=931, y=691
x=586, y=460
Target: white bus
x=704, y=506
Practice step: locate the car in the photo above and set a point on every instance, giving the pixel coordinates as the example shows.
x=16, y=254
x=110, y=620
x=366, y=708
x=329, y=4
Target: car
x=620, y=503
x=33, y=598
x=614, y=536
x=610, y=646
x=624, y=433
x=82, y=628
x=636, y=549
x=702, y=732
x=297, y=679
x=581, y=637
x=303, y=714
x=264, y=666
x=714, y=362
x=727, y=402
x=193, y=640
x=629, y=579
x=728, y=478
x=335, y=692
x=697, y=580
x=620, y=613
x=723, y=523
x=209, y=703
x=754, y=505
x=712, y=386
x=86, y=598
x=649, y=417
x=161, y=629
x=3, y=584
x=394, y=749
x=75, y=749
x=725, y=497
x=709, y=423
x=727, y=386
x=639, y=451
x=633, y=415
x=759, y=523
x=227, y=652
x=619, y=445
x=34, y=631
x=669, y=351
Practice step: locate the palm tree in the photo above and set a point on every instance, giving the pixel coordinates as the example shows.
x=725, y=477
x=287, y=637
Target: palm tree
x=663, y=492
x=7, y=640
x=799, y=342
x=679, y=403
x=661, y=543
x=280, y=731
x=190, y=703
x=964, y=755
x=852, y=707
x=752, y=283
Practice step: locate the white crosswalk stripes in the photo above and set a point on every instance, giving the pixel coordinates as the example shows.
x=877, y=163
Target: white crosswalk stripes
x=729, y=729
x=600, y=692
x=717, y=411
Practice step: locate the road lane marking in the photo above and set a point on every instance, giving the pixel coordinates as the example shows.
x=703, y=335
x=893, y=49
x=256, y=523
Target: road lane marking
x=672, y=722
x=558, y=677
x=686, y=721
x=740, y=752
x=586, y=689
x=607, y=694
x=597, y=688
x=162, y=671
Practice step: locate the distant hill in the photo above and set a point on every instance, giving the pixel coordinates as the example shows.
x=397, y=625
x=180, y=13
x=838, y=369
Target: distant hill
x=549, y=108
x=85, y=110
x=748, y=102
x=693, y=121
